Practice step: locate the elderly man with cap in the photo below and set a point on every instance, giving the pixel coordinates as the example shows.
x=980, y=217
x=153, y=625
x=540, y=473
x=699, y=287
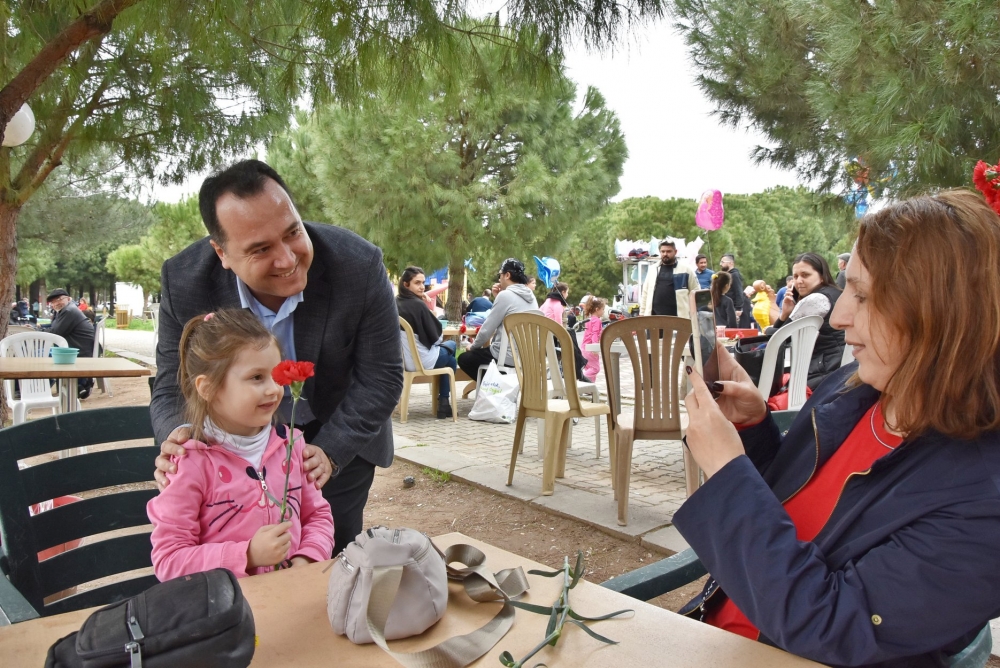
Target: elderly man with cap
x=514, y=297
x=71, y=324
x=842, y=261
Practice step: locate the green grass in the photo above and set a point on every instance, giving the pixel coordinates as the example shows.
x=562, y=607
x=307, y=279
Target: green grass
x=135, y=323
x=437, y=476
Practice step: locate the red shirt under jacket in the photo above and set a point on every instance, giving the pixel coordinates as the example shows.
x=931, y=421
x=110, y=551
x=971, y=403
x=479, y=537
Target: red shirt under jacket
x=812, y=506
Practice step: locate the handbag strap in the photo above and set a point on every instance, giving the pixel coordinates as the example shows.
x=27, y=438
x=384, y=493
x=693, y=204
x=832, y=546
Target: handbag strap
x=480, y=584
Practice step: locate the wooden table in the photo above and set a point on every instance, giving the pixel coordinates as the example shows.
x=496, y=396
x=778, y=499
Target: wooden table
x=289, y=609
x=26, y=368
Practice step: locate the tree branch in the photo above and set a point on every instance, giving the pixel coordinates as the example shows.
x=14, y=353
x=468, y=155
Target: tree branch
x=55, y=159
x=91, y=24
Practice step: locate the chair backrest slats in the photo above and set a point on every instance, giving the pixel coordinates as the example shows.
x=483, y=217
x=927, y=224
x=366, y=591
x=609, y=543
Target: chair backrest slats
x=654, y=346
x=90, y=517
x=24, y=536
x=30, y=344
x=61, y=477
x=803, y=334
x=116, y=591
x=530, y=334
x=95, y=561
x=77, y=430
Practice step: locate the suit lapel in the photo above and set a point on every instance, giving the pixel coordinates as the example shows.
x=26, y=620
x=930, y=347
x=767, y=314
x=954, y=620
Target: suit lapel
x=311, y=315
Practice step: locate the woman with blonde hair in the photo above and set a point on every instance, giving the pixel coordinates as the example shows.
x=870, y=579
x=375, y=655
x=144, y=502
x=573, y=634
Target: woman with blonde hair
x=869, y=534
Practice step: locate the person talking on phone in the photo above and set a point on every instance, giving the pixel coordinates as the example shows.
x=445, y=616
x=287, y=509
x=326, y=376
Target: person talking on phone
x=813, y=292
x=868, y=534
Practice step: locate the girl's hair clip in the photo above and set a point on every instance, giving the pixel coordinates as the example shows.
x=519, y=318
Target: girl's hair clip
x=209, y=316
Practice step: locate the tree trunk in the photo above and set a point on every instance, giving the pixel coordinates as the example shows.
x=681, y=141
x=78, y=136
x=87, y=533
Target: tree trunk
x=8, y=260
x=456, y=290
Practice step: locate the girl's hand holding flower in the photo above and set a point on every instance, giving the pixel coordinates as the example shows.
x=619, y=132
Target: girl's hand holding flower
x=269, y=546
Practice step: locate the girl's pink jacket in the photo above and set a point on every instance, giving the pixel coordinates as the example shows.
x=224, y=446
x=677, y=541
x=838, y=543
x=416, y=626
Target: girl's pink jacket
x=215, y=503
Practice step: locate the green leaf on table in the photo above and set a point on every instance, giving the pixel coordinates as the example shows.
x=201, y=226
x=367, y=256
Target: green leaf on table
x=593, y=634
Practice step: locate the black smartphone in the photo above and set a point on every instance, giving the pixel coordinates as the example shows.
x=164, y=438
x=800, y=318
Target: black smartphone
x=703, y=339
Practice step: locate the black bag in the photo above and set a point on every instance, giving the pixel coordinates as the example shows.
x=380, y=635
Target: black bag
x=195, y=621
x=749, y=354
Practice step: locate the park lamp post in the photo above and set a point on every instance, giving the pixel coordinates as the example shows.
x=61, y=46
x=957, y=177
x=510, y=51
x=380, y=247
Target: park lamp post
x=20, y=127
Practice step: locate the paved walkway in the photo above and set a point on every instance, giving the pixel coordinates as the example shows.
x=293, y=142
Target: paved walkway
x=479, y=453
x=131, y=343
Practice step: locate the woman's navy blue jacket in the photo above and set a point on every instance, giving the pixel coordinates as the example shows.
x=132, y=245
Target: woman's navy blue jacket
x=905, y=572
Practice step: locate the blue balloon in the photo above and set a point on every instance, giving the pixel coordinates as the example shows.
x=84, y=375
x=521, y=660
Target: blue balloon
x=548, y=270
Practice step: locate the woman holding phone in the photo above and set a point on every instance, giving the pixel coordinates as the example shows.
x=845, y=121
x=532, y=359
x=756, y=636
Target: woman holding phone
x=869, y=534
x=814, y=292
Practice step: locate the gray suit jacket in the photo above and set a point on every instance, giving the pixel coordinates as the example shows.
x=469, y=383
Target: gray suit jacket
x=346, y=324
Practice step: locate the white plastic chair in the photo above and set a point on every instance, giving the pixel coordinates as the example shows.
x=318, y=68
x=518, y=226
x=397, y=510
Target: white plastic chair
x=35, y=393
x=803, y=333
x=848, y=356
x=103, y=383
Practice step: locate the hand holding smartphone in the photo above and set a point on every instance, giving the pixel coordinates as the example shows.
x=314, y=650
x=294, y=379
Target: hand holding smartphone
x=703, y=340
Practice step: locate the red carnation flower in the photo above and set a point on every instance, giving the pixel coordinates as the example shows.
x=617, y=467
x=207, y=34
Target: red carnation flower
x=987, y=180
x=290, y=371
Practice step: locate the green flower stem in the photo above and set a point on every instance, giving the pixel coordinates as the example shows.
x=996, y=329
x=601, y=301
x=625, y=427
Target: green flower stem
x=296, y=394
x=558, y=613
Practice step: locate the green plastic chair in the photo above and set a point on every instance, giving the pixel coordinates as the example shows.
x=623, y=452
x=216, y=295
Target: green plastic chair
x=23, y=536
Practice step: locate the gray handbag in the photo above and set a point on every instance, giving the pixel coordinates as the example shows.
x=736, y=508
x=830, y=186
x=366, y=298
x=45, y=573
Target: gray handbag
x=393, y=583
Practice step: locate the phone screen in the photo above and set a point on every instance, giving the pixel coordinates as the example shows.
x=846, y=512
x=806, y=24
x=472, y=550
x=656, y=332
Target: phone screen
x=706, y=355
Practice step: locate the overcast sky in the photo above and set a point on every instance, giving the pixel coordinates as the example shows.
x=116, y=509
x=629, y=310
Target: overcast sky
x=676, y=149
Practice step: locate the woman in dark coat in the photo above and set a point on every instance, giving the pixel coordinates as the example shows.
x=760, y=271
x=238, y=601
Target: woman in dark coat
x=868, y=534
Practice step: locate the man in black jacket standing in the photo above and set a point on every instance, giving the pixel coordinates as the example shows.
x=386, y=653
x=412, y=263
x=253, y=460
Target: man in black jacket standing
x=71, y=324
x=742, y=304
x=324, y=294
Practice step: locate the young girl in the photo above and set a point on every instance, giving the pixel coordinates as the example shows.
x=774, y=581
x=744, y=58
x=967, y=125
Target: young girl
x=222, y=506
x=594, y=310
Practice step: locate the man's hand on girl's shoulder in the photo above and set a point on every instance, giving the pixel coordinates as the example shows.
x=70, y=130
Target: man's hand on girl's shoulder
x=173, y=446
x=317, y=465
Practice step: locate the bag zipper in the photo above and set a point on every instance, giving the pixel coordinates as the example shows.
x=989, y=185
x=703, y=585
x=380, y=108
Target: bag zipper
x=134, y=648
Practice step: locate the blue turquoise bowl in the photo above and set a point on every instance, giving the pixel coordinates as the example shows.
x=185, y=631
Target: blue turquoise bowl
x=62, y=355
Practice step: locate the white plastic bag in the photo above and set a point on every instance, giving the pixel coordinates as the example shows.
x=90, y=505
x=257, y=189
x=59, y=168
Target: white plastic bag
x=497, y=398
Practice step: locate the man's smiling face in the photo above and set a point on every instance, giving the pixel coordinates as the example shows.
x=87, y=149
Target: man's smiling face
x=265, y=244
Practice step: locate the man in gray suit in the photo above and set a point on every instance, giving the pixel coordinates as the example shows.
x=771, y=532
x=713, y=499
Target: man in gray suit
x=324, y=293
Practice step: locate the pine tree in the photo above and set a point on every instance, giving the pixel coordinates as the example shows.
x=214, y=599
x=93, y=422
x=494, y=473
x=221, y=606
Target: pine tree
x=174, y=87
x=907, y=88
x=474, y=172
x=176, y=227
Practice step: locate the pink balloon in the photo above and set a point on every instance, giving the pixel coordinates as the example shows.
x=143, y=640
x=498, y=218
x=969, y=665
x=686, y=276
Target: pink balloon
x=710, y=213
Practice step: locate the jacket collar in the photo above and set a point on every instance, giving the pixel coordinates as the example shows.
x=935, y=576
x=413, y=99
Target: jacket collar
x=833, y=413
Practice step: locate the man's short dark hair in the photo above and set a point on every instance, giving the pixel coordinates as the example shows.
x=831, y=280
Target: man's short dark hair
x=667, y=242
x=730, y=256
x=699, y=257
x=245, y=178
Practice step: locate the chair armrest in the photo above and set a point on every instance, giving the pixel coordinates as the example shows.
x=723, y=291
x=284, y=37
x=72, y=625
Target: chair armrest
x=665, y=575
x=14, y=607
